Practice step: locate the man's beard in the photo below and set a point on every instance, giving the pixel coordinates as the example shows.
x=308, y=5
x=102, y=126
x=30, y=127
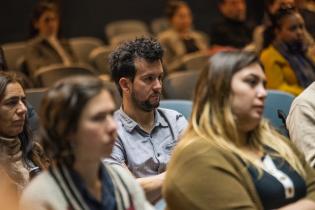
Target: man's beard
x=146, y=105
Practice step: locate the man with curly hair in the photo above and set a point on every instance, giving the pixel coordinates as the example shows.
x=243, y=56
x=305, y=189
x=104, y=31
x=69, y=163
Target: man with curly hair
x=147, y=134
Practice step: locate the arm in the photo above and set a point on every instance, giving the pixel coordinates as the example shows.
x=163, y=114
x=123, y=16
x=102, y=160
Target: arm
x=42, y=193
x=301, y=124
x=152, y=186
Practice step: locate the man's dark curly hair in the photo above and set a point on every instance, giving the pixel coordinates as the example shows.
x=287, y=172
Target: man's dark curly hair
x=122, y=59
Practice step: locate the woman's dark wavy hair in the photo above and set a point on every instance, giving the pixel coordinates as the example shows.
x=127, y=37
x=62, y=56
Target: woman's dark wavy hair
x=31, y=150
x=60, y=113
x=39, y=9
x=276, y=22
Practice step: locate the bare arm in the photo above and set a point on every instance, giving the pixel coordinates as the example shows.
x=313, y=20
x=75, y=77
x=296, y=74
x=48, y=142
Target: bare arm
x=152, y=186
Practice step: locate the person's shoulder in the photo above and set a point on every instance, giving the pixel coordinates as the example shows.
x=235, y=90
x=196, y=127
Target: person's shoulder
x=167, y=35
x=40, y=188
x=64, y=42
x=306, y=97
x=200, y=149
x=170, y=114
x=198, y=34
x=44, y=181
x=123, y=174
x=42, y=191
x=270, y=53
x=118, y=169
x=35, y=41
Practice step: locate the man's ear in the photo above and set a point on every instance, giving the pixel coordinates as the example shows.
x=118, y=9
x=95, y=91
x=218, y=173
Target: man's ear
x=125, y=84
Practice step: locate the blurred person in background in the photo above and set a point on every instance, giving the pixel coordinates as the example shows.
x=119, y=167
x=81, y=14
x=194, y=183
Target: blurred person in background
x=46, y=47
x=288, y=65
x=259, y=35
x=229, y=157
x=181, y=39
x=232, y=29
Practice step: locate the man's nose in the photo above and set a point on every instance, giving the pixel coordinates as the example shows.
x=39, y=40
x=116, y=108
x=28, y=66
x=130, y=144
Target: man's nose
x=157, y=84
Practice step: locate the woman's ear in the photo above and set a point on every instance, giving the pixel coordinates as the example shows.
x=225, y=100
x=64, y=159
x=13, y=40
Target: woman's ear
x=125, y=84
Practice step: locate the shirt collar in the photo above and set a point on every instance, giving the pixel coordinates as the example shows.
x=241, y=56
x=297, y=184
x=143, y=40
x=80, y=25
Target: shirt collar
x=129, y=124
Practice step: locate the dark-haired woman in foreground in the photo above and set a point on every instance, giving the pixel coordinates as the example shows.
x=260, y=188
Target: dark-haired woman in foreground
x=229, y=158
x=78, y=132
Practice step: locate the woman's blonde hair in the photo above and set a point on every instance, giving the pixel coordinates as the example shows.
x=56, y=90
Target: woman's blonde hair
x=212, y=119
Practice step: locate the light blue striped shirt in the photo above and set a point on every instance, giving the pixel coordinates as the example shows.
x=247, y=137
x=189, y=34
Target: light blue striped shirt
x=147, y=154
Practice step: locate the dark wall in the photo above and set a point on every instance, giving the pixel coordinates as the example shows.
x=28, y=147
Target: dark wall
x=88, y=17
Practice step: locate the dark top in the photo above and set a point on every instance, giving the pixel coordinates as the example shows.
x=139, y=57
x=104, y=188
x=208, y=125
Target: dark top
x=271, y=191
x=108, y=193
x=227, y=32
x=296, y=55
x=190, y=45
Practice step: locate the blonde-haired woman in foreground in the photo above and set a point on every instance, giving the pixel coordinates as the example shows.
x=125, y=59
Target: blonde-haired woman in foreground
x=229, y=157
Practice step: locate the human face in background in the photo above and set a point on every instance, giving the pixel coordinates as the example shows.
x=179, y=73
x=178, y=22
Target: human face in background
x=146, y=87
x=234, y=9
x=248, y=95
x=48, y=24
x=291, y=30
x=96, y=132
x=182, y=19
x=12, y=111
